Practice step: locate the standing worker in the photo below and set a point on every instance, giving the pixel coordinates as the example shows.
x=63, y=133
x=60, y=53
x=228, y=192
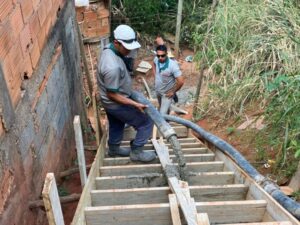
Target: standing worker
x=115, y=89
x=168, y=78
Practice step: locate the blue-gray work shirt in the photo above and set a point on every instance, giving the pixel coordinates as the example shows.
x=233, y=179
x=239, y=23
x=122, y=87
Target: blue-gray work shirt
x=112, y=75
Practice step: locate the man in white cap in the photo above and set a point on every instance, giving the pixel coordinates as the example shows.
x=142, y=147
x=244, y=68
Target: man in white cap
x=115, y=89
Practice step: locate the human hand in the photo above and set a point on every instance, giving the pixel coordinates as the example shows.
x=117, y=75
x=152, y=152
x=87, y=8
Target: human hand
x=141, y=107
x=170, y=94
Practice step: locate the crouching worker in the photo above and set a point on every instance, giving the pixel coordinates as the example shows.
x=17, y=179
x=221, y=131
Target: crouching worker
x=168, y=78
x=115, y=89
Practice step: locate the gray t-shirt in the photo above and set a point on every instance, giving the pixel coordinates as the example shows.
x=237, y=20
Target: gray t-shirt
x=112, y=75
x=166, y=74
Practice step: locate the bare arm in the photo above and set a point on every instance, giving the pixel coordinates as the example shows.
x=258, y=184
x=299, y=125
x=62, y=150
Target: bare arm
x=177, y=86
x=153, y=69
x=116, y=97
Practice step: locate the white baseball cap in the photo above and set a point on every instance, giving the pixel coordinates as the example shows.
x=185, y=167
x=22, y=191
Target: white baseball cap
x=126, y=36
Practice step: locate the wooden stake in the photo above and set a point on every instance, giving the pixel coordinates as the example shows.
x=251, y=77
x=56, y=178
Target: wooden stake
x=51, y=201
x=80, y=150
x=178, y=26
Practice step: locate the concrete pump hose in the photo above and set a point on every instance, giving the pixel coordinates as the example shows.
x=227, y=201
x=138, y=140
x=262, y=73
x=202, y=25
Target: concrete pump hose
x=165, y=129
x=289, y=204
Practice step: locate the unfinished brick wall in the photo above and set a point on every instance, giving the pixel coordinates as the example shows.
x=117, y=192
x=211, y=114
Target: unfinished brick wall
x=24, y=27
x=40, y=92
x=94, y=20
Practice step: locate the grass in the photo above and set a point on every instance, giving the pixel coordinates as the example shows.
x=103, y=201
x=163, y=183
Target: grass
x=253, y=57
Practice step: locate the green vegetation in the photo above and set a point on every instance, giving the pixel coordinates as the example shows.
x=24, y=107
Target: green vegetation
x=253, y=57
x=154, y=17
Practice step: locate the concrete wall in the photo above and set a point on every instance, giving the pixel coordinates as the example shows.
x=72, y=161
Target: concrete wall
x=36, y=129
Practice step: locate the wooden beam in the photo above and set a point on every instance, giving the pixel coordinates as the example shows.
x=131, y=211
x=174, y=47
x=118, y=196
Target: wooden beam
x=218, y=212
x=174, y=209
x=262, y=223
x=140, y=181
x=202, y=219
x=181, y=140
x=212, y=178
x=124, y=170
x=183, y=200
x=51, y=201
x=146, y=214
x=80, y=150
x=160, y=194
x=245, y=211
x=85, y=199
x=119, y=161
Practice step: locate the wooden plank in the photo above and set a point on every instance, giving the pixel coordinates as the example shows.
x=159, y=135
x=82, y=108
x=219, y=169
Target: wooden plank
x=262, y=223
x=233, y=211
x=162, y=153
x=160, y=194
x=124, y=170
x=274, y=209
x=183, y=145
x=212, y=178
x=51, y=201
x=119, y=161
x=85, y=199
x=130, y=170
x=181, y=140
x=80, y=150
x=148, y=180
x=174, y=209
x=207, y=193
x=149, y=214
x=218, y=212
x=202, y=219
x=183, y=200
x=130, y=196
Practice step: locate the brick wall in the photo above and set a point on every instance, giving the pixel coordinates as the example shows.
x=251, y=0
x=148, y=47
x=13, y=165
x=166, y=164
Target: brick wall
x=94, y=20
x=24, y=27
x=40, y=92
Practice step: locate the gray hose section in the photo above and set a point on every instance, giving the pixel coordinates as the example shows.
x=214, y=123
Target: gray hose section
x=165, y=129
x=289, y=204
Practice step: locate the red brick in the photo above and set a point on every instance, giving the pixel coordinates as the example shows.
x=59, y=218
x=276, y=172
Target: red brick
x=104, y=31
x=48, y=25
x=42, y=11
x=42, y=38
x=102, y=13
x=15, y=59
x=5, y=8
x=35, y=53
x=6, y=68
x=25, y=40
x=16, y=20
x=90, y=16
x=26, y=69
x=34, y=25
x=35, y=4
x=105, y=22
x=7, y=38
x=27, y=9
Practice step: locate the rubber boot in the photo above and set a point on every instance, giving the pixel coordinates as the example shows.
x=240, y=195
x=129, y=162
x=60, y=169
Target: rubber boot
x=116, y=150
x=138, y=154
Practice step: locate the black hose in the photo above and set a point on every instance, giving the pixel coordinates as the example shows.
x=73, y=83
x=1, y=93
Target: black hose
x=165, y=129
x=289, y=204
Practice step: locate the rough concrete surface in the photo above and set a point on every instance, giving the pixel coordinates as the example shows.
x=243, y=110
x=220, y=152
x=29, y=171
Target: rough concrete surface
x=40, y=137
